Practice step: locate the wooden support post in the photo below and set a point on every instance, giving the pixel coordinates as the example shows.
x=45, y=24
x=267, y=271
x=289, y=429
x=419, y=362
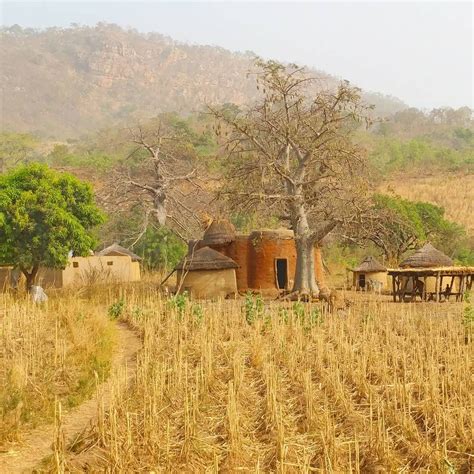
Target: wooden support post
x=441, y=288
x=404, y=288
x=461, y=288
x=414, y=287
x=424, y=288
x=450, y=288
x=437, y=287
x=394, y=293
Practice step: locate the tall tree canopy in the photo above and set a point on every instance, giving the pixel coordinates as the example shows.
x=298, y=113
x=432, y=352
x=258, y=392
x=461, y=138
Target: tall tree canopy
x=398, y=225
x=44, y=215
x=292, y=155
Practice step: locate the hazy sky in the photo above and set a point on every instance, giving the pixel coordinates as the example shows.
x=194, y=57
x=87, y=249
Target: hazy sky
x=421, y=52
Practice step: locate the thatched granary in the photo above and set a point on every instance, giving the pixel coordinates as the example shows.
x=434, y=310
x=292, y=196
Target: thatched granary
x=206, y=273
x=219, y=233
x=266, y=258
x=427, y=257
x=370, y=274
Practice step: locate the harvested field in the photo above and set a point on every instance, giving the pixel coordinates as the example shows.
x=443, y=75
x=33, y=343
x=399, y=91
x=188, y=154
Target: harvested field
x=247, y=386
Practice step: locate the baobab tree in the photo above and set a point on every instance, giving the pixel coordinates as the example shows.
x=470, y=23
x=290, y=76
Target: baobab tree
x=159, y=178
x=292, y=155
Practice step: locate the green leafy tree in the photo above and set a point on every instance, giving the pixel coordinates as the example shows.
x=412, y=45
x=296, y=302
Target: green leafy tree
x=398, y=225
x=16, y=148
x=160, y=248
x=44, y=215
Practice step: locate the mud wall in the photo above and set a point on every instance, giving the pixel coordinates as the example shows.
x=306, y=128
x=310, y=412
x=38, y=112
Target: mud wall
x=208, y=283
x=263, y=249
x=255, y=255
x=238, y=251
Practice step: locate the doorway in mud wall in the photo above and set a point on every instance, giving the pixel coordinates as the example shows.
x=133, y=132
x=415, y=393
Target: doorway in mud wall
x=281, y=271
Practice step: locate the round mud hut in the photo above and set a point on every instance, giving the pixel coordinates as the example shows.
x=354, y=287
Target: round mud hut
x=271, y=260
x=370, y=275
x=207, y=274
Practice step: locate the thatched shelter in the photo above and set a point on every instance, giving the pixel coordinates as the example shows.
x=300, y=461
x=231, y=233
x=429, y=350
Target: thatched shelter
x=370, y=274
x=206, y=273
x=430, y=275
x=427, y=257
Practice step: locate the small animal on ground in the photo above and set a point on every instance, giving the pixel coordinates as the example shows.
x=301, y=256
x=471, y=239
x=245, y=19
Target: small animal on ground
x=334, y=299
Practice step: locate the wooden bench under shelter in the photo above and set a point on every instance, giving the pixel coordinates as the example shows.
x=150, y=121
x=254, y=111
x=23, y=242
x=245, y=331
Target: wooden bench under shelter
x=408, y=284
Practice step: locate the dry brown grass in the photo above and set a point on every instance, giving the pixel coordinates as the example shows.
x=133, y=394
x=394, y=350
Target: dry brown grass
x=454, y=192
x=49, y=353
x=383, y=387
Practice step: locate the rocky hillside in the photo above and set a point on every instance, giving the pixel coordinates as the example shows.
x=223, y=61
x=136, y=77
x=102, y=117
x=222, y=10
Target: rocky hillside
x=65, y=82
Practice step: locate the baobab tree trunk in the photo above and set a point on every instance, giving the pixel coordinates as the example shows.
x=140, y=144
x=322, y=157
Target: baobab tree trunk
x=305, y=277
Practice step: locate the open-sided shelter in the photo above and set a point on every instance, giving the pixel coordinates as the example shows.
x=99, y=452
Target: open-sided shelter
x=207, y=273
x=429, y=274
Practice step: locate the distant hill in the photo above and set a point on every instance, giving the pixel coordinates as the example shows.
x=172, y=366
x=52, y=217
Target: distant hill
x=67, y=82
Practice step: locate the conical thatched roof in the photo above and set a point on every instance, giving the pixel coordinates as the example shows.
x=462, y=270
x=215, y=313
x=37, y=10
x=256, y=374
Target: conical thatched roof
x=206, y=259
x=116, y=249
x=427, y=257
x=370, y=264
x=220, y=232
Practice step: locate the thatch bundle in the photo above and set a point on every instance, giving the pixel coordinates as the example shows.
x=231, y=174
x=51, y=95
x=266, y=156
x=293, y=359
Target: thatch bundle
x=370, y=265
x=220, y=232
x=206, y=259
x=427, y=257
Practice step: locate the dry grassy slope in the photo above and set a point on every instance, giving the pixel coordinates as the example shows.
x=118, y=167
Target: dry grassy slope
x=65, y=82
x=453, y=191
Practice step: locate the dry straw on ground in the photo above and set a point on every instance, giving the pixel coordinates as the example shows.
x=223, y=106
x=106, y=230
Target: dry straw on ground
x=233, y=386
x=51, y=352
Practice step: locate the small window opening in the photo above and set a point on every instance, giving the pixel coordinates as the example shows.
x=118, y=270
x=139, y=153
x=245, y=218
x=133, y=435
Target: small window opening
x=75, y=264
x=110, y=263
x=281, y=268
x=362, y=281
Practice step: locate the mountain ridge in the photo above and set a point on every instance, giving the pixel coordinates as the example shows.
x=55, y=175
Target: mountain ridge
x=64, y=82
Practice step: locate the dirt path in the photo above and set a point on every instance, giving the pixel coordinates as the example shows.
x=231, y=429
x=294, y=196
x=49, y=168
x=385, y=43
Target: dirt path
x=37, y=444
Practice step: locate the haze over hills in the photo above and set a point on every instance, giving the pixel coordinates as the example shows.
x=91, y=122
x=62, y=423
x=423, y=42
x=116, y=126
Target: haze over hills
x=66, y=82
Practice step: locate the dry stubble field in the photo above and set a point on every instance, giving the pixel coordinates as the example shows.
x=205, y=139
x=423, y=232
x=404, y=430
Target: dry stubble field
x=235, y=386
